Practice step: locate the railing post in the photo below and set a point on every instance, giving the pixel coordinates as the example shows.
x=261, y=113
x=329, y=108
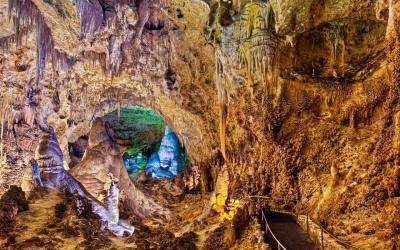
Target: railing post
x=322, y=238
x=281, y=247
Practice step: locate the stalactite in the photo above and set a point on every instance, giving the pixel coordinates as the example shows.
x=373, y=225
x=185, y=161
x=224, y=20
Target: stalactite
x=114, y=55
x=109, y=9
x=335, y=38
x=96, y=58
x=91, y=16
x=6, y=41
x=222, y=81
x=44, y=46
x=222, y=127
x=143, y=10
x=28, y=15
x=258, y=43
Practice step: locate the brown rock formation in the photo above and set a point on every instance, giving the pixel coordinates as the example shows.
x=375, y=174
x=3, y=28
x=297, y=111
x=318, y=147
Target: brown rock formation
x=11, y=203
x=299, y=97
x=102, y=162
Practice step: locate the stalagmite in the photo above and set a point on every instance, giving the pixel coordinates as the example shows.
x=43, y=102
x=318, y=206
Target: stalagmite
x=112, y=200
x=104, y=157
x=4, y=120
x=119, y=110
x=49, y=158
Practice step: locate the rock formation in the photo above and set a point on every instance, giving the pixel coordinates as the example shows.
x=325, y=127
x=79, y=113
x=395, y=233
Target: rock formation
x=49, y=162
x=102, y=160
x=11, y=203
x=284, y=98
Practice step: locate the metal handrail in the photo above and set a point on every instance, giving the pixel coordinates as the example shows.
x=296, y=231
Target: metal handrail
x=339, y=241
x=268, y=229
x=271, y=198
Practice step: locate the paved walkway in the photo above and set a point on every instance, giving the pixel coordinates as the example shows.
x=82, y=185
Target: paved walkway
x=288, y=233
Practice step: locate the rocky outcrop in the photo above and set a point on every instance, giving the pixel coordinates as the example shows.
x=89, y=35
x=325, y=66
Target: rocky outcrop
x=102, y=160
x=11, y=203
x=53, y=176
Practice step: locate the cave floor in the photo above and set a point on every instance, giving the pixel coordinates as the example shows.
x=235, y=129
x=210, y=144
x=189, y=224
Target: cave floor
x=51, y=223
x=286, y=229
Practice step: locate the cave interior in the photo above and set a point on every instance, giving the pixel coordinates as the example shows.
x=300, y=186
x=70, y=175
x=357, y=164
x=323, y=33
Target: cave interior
x=200, y=124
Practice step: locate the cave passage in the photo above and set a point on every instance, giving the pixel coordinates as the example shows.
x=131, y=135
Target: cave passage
x=149, y=146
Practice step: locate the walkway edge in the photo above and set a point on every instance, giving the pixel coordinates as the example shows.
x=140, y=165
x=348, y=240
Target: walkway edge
x=314, y=232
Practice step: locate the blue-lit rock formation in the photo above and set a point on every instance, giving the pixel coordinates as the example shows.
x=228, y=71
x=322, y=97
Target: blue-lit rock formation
x=135, y=164
x=165, y=162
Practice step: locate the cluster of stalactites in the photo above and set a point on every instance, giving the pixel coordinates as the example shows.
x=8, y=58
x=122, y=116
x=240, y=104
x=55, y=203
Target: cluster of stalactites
x=9, y=115
x=7, y=41
x=336, y=39
x=95, y=14
x=256, y=17
x=114, y=55
x=258, y=55
x=96, y=58
x=15, y=112
x=257, y=42
x=91, y=16
x=28, y=16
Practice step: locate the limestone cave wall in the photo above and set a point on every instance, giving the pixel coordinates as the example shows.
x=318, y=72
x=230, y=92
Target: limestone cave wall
x=299, y=97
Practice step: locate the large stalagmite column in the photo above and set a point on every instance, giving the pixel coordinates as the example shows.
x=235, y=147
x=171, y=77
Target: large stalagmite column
x=102, y=159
